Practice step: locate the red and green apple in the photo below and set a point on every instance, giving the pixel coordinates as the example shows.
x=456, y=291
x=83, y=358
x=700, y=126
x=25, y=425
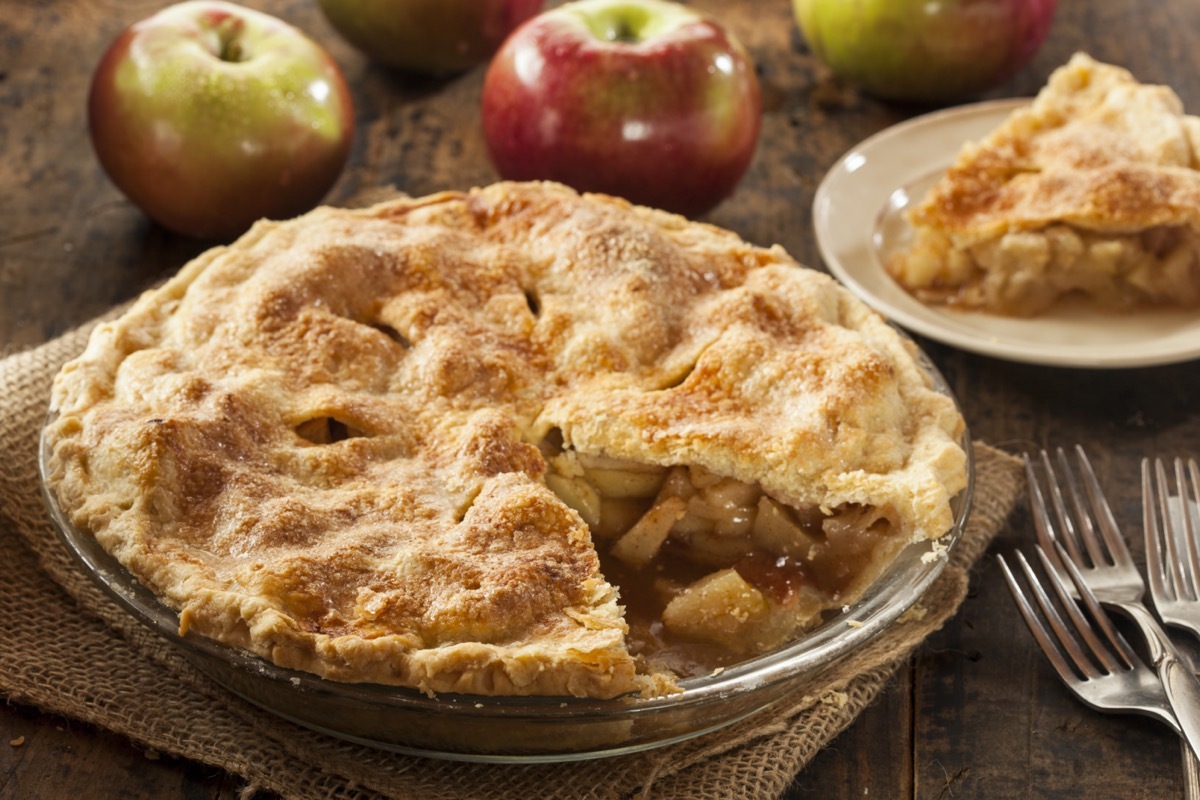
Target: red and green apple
x=645, y=99
x=210, y=116
x=428, y=36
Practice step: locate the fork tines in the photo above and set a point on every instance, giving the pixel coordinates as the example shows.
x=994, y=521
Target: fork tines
x=1172, y=560
x=1079, y=518
x=1064, y=639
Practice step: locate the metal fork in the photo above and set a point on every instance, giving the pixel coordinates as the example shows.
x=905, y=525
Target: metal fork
x=1172, y=557
x=1112, y=677
x=1090, y=539
x=1084, y=525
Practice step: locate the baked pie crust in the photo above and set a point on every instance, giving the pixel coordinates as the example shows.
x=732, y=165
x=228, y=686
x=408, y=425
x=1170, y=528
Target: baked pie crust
x=417, y=444
x=1092, y=190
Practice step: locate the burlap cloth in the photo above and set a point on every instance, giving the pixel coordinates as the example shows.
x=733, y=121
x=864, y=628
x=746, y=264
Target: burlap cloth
x=66, y=648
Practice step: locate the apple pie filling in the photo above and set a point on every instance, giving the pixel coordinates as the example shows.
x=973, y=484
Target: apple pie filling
x=710, y=568
x=1024, y=272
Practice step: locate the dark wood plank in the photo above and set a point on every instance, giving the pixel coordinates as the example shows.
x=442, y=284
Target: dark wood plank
x=873, y=757
x=48, y=757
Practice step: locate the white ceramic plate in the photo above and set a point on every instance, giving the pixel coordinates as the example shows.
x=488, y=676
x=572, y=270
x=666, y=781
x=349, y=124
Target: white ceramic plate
x=859, y=218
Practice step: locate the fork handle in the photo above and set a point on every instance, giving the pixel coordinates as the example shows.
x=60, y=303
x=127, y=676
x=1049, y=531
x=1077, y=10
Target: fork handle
x=1183, y=693
x=1191, y=773
x=1178, y=680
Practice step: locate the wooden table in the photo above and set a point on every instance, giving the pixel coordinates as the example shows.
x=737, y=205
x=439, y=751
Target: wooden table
x=977, y=714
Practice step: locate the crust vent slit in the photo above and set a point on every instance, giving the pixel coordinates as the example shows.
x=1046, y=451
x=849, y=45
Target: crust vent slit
x=551, y=444
x=328, y=430
x=678, y=380
x=461, y=513
x=393, y=334
x=535, y=305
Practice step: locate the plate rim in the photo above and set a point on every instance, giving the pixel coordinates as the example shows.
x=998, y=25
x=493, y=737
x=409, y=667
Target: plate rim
x=936, y=323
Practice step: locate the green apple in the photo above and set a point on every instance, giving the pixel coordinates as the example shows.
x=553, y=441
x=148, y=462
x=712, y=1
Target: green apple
x=925, y=51
x=209, y=116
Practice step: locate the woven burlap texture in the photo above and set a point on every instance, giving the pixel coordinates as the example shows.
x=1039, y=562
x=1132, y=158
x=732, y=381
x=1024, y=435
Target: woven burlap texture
x=66, y=648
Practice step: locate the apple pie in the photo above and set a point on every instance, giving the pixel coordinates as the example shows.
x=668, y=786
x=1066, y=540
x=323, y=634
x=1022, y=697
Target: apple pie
x=515, y=440
x=1091, y=191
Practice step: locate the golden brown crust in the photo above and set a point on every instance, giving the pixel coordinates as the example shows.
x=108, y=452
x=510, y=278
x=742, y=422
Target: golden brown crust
x=1096, y=153
x=320, y=443
x=1096, y=149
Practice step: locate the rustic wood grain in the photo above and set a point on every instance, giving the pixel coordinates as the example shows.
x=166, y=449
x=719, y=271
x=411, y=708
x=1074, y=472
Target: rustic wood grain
x=978, y=713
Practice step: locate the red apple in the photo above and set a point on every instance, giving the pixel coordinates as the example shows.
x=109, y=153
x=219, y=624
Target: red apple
x=645, y=99
x=428, y=36
x=210, y=116
x=918, y=51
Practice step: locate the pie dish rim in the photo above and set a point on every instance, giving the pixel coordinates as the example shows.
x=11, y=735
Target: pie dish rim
x=705, y=704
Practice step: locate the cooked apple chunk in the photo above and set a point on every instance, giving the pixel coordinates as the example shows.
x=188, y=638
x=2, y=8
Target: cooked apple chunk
x=642, y=541
x=719, y=607
x=725, y=563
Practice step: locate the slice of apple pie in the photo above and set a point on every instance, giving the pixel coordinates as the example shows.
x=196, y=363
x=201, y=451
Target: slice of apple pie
x=424, y=443
x=1091, y=190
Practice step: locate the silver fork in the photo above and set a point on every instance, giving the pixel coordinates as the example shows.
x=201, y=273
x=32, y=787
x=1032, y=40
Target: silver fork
x=1172, y=557
x=1112, y=677
x=1084, y=525
x=1090, y=539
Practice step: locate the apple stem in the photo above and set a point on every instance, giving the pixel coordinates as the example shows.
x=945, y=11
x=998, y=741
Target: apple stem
x=621, y=31
x=228, y=35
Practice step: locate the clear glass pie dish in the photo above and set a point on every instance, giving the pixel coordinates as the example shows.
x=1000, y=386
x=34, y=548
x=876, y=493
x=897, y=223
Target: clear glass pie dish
x=531, y=729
